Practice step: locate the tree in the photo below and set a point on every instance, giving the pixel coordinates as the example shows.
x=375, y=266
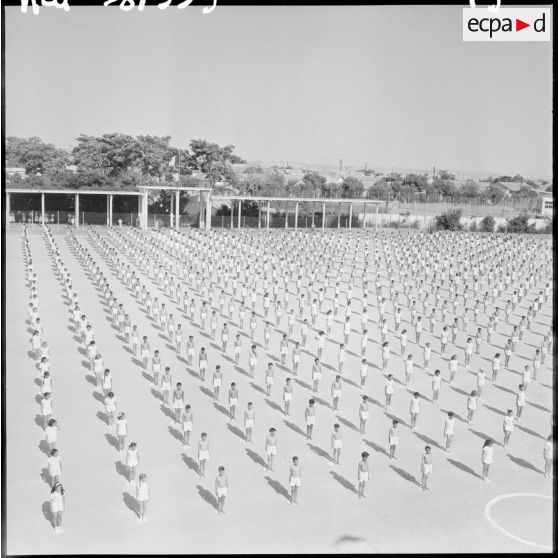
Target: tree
x=518, y=224
x=470, y=189
x=213, y=160
x=493, y=193
x=445, y=175
x=34, y=155
x=445, y=188
x=314, y=181
x=449, y=220
x=352, y=187
x=487, y=224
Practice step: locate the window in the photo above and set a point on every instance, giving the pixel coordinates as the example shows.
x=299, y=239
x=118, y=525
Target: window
x=548, y=204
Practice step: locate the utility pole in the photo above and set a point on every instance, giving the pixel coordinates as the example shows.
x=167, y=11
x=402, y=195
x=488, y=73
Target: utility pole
x=340, y=165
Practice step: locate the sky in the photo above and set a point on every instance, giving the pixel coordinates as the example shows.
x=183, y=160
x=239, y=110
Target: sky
x=383, y=85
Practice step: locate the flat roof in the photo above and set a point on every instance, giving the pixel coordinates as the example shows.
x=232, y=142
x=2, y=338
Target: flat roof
x=322, y=200
x=64, y=191
x=179, y=188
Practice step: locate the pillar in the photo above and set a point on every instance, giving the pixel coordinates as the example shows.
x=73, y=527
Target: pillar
x=339, y=217
x=313, y=214
x=177, y=210
x=376, y=223
x=296, y=216
x=239, y=211
x=43, y=221
x=364, y=218
x=287, y=215
x=259, y=214
x=110, y=201
x=76, y=216
x=108, y=210
x=144, y=215
x=350, y=215
x=201, y=211
x=208, y=211
x=7, y=209
x=323, y=216
x=268, y=210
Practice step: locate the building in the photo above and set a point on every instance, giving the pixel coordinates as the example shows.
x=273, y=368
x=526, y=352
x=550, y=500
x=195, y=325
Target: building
x=13, y=171
x=545, y=205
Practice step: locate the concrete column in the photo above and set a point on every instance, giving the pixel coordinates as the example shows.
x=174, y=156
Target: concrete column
x=296, y=216
x=76, y=216
x=239, y=212
x=7, y=210
x=287, y=215
x=268, y=211
x=313, y=214
x=144, y=204
x=376, y=223
x=43, y=208
x=259, y=215
x=110, y=202
x=201, y=211
x=364, y=218
x=350, y=215
x=339, y=217
x=177, y=210
x=108, y=210
x=208, y=211
x=323, y=216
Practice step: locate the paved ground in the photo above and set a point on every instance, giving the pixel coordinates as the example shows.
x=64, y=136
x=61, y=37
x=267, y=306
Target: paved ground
x=396, y=516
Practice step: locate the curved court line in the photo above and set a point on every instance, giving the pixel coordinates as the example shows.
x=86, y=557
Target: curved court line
x=499, y=527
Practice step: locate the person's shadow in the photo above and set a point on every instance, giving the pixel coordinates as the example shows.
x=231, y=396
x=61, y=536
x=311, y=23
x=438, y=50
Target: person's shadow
x=43, y=446
x=221, y=409
x=113, y=441
x=236, y=430
x=207, y=392
x=47, y=514
x=274, y=405
x=256, y=458
x=190, y=463
x=523, y=463
x=294, y=428
x=464, y=467
x=207, y=496
x=407, y=476
x=319, y=451
x=344, y=482
x=278, y=487
x=377, y=448
x=131, y=503
x=121, y=469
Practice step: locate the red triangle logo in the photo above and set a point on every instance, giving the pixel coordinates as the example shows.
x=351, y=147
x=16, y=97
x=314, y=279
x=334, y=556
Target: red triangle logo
x=519, y=25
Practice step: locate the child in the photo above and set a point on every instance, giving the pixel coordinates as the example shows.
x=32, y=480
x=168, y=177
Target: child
x=427, y=354
x=536, y=363
x=403, y=341
x=166, y=381
x=341, y=357
x=57, y=500
x=46, y=409
x=509, y=427
x=443, y=340
x=221, y=489
x=271, y=447
x=426, y=467
x=233, y=400
x=155, y=365
x=495, y=366
x=187, y=421
x=110, y=407
x=190, y=349
x=362, y=473
x=520, y=401
x=385, y=355
x=436, y=385
x=178, y=403
x=468, y=351
x=310, y=418
x=296, y=357
x=217, y=381
x=363, y=414
x=121, y=430
x=487, y=457
x=294, y=480
x=363, y=373
x=249, y=422
x=287, y=396
x=526, y=377
x=107, y=382
x=132, y=461
x=36, y=344
x=452, y=366
x=449, y=430
x=336, y=443
x=203, y=453
x=389, y=390
x=471, y=406
x=202, y=362
x=284, y=348
x=409, y=366
x=336, y=392
x=142, y=496
x=237, y=348
x=316, y=374
x=414, y=410
x=54, y=465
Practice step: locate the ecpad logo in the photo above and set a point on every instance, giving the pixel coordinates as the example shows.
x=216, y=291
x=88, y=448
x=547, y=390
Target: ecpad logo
x=508, y=24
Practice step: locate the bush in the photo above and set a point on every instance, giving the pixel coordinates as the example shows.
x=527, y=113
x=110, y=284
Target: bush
x=487, y=224
x=414, y=224
x=393, y=224
x=473, y=226
x=501, y=228
x=518, y=224
x=449, y=220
